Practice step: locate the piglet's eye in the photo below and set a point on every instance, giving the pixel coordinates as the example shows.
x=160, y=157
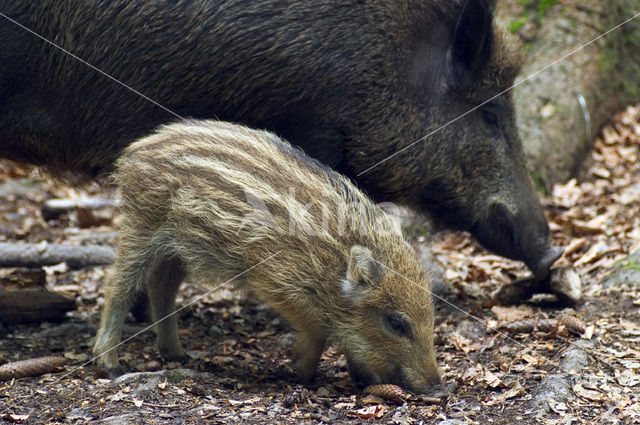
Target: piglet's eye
x=398, y=325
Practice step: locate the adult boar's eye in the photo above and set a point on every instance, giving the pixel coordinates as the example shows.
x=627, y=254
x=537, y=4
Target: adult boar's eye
x=490, y=117
x=399, y=325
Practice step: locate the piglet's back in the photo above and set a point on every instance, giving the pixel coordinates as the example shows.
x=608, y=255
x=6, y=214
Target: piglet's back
x=244, y=194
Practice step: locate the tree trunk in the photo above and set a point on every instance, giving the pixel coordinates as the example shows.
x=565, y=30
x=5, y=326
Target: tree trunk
x=561, y=109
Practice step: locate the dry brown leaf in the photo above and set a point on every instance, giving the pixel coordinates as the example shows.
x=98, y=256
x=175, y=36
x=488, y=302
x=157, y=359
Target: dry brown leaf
x=343, y=405
x=369, y=412
x=629, y=195
x=595, y=252
x=592, y=227
x=472, y=374
x=464, y=344
x=533, y=360
x=481, y=374
x=588, y=332
x=491, y=379
x=566, y=195
x=588, y=394
x=628, y=325
x=627, y=378
x=574, y=245
x=515, y=391
x=14, y=418
x=511, y=314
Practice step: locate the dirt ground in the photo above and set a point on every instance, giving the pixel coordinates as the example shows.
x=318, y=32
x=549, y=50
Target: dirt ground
x=536, y=362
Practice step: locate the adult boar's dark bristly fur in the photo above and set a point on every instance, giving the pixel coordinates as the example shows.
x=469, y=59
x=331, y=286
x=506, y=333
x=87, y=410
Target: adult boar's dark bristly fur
x=337, y=267
x=351, y=82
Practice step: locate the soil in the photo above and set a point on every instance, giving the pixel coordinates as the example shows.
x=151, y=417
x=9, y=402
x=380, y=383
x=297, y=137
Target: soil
x=500, y=364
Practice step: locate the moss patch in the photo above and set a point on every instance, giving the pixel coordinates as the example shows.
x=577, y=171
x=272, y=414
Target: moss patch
x=539, y=182
x=630, y=265
x=543, y=6
x=518, y=23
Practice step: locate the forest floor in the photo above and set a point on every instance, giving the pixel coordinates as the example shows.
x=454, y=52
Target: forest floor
x=503, y=365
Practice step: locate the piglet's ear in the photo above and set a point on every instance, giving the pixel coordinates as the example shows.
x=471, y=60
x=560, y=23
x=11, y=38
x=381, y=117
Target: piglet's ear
x=362, y=268
x=363, y=272
x=472, y=41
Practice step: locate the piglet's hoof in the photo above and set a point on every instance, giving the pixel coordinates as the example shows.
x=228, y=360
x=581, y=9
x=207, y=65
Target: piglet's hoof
x=109, y=373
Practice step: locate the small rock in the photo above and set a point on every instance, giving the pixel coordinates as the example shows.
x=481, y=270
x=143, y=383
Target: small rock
x=557, y=387
x=563, y=282
x=566, y=285
x=451, y=422
x=577, y=358
x=174, y=375
x=79, y=414
x=322, y=392
x=627, y=272
x=131, y=418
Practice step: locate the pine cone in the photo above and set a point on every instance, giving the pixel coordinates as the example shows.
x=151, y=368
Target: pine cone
x=573, y=324
x=388, y=392
x=31, y=367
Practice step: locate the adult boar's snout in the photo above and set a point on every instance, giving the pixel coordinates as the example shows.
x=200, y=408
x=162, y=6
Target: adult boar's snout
x=520, y=233
x=544, y=265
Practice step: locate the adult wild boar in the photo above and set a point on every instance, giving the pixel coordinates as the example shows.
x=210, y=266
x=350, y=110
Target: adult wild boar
x=351, y=82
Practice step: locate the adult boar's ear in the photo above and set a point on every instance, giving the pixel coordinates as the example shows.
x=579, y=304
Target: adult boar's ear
x=472, y=41
x=362, y=272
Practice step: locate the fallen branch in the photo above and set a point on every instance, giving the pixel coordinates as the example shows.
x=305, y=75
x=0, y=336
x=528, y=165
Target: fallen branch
x=43, y=254
x=54, y=207
x=530, y=325
x=570, y=323
x=24, y=297
x=16, y=279
x=33, y=305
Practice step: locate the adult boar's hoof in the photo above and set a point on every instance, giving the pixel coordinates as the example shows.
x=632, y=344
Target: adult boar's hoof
x=183, y=359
